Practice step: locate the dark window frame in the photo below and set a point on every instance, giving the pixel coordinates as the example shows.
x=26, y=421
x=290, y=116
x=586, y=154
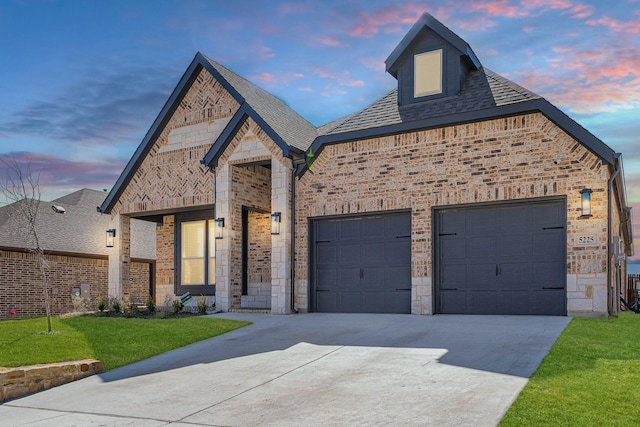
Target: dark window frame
x=208, y=289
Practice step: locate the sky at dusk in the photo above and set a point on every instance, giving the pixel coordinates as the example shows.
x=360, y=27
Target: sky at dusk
x=82, y=81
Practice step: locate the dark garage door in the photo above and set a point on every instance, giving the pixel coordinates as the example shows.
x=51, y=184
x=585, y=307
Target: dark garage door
x=362, y=264
x=502, y=259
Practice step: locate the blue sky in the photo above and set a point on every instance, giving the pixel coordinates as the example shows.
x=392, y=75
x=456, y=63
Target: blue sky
x=82, y=81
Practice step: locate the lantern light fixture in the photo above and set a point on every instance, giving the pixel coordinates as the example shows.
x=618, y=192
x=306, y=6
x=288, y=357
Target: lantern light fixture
x=275, y=222
x=586, y=202
x=111, y=237
x=219, y=227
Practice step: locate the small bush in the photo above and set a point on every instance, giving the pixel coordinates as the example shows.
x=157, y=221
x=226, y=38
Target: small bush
x=151, y=305
x=102, y=304
x=202, y=305
x=177, y=306
x=115, y=304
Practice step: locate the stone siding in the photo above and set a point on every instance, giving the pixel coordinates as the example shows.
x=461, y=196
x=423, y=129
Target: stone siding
x=521, y=157
x=18, y=382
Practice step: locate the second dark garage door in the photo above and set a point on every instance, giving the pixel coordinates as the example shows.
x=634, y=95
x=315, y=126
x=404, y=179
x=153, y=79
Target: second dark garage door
x=502, y=259
x=362, y=264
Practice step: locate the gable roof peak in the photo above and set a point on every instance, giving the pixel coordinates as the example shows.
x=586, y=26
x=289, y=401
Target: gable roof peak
x=428, y=21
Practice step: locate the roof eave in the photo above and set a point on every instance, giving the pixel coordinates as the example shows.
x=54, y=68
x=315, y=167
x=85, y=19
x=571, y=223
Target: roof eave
x=222, y=142
x=593, y=144
x=427, y=20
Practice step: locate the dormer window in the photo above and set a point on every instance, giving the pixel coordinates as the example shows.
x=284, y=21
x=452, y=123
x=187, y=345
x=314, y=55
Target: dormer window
x=427, y=73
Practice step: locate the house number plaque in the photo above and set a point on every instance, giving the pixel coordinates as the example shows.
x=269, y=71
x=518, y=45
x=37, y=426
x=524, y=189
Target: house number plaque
x=586, y=240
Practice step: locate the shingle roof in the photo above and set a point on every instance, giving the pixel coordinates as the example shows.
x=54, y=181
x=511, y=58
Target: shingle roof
x=483, y=89
x=80, y=229
x=292, y=128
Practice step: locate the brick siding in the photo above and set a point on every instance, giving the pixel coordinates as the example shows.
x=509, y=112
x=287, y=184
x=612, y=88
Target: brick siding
x=21, y=283
x=495, y=160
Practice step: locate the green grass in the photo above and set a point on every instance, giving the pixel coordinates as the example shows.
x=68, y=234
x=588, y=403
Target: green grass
x=116, y=341
x=591, y=377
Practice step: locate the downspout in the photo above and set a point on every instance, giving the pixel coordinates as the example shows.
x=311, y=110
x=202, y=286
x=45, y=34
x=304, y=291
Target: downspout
x=294, y=170
x=610, y=234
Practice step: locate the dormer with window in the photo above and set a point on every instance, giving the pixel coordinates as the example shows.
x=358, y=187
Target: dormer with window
x=430, y=62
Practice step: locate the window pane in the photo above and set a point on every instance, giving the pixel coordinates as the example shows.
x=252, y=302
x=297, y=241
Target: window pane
x=193, y=239
x=428, y=73
x=192, y=271
x=212, y=271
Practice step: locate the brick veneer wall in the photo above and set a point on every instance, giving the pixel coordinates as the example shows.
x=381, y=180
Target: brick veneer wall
x=259, y=262
x=494, y=160
x=21, y=282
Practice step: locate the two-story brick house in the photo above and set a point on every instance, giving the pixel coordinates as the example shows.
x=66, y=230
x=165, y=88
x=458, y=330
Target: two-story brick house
x=458, y=192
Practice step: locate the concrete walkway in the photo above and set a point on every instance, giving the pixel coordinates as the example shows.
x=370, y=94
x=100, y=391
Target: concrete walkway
x=314, y=369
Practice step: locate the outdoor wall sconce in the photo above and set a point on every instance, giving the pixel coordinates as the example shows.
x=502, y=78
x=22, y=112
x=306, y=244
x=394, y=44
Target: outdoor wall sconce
x=586, y=202
x=111, y=237
x=219, y=227
x=275, y=223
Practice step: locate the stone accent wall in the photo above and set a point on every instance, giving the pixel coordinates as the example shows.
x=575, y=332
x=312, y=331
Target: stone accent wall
x=259, y=262
x=18, y=382
x=494, y=160
x=236, y=187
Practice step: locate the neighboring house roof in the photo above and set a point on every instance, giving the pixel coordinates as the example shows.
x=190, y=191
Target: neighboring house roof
x=79, y=230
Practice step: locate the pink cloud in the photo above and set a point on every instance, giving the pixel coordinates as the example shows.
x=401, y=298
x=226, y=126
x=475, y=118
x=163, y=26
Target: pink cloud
x=497, y=8
x=376, y=64
x=389, y=19
x=547, y=4
x=264, y=77
x=581, y=11
x=628, y=27
x=527, y=29
x=330, y=41
x=476, y=24
x=305, y=89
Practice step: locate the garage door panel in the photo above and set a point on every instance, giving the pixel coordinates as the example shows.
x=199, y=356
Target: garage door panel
x=515, y=245
x=349, y=254
x=505, y=260
x=397, y=278
x=349, y=278
x=348, y=230
x=549, y=246
x=480, y=275
x=326, y=231
x=481, y=222
x=452, y=275
x=480, y=247
x=397, y=251
x=326, y=279
x=326, y=254
x=353, y=300
x=452, y=248
x=373, y=252
x=370, y=260
x=328, y=301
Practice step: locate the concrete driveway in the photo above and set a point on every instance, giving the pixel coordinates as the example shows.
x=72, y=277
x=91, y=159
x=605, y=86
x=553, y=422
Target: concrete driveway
x=314, y=369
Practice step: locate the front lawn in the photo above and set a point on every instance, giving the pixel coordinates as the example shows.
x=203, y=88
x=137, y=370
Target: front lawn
x=591, y=377
x=116, y=341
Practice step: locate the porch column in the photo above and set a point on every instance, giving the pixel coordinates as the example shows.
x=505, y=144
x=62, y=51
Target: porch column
x=120, y=256
x=223, y=246
x=281, y=243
